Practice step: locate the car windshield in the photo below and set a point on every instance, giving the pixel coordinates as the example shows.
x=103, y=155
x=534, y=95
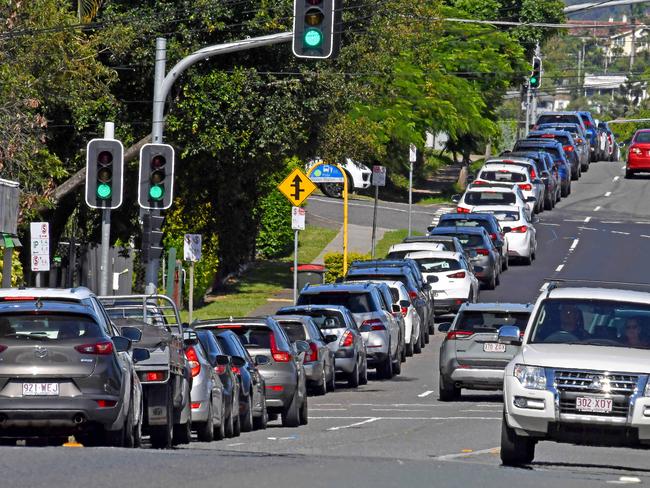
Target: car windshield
x=642, y=137
x=295, y=330
x=324, y=319
x=355, y=302
x=504, y=215
x=489, y=321
x=489, y=198
x=559, y=118
x=437, y=265
x=465, y=223
x=48, y=327
x=470, y=240
x=502, y=175
x=592, y=322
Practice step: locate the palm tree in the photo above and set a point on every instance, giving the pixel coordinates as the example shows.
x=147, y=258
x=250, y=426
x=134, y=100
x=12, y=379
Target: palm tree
x=87, y=9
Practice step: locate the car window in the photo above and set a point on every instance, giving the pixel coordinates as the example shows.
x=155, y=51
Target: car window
x=559, y=118
x=437, y=265
x=394, y=292
x=466, y=223
x=642, y=137
x=489, y=198
x=48, y=327
x=355, y=302
x=489, y=321
x=326, y=320
x=504, y=215
x=295, y=330
x=470, y=240
x=502, y=175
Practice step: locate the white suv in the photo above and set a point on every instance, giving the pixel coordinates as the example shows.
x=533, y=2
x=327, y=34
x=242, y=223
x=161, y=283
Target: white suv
x=582, y=373
x=478, y=195
x=358, y=178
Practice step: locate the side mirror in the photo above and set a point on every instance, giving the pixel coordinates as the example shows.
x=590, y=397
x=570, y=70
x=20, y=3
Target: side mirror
x=190, y=338
x=455, y=198
x=531, y=199
x=396, y=308
x=537, y=181
x=185, y=325
x=546, y=174
x=329, y=338
x=509, y=334
x=477, y=269
x=261, y=360
x=238, y=361
x=404, y=303
x=132, y=333
x=444, y=327
x=122, y=344
x=221, y=360
x=302, y=346
x=140, y=354
x=430, y=228
x=432, y=279
x=507, y=229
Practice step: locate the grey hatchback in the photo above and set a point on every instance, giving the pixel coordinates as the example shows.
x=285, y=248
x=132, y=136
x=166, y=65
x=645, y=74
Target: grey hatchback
x=470, y=356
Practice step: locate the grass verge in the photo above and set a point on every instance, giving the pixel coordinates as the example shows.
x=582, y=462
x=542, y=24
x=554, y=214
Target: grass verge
x=391, y=237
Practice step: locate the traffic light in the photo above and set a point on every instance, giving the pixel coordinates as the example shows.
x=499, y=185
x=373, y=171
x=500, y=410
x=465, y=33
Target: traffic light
x=151, y=236
x=104, y=173
x=156, y=180
x=535, y=79
x=316, y=28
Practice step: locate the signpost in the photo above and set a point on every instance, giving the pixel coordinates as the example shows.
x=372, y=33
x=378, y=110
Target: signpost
x=378, y=179
x=413, y=155
x=192, y=253
x=9, y=198
x=40, y=248
x=297, y=224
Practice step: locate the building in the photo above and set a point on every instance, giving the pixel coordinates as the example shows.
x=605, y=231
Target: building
x=621, y=44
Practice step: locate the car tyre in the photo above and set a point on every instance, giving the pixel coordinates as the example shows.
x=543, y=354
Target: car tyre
x=246, y=420
x=629, y=174
x=331, y=383
x=353, y=377
x=506, y=263
x=205, y=430
x=229, y=428
x=304, y=411
x=385, y=369
x=220, y=432
x=408, y=349
x=321, y=389
x=291, y=413
x=446, y=392
x=261, y=422
x=236, y=424
x=516, y=450
x=417, y=344
x=332, y=190
x=363, y=377
x=161, y=435
x=183, y=433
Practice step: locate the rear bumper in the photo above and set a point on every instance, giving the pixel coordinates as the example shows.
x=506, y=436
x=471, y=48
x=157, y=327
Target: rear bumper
x=448, y=305
x=345, y=364
x=480, y=379
x=280, y=388
x=375, y=358
x=638, y=163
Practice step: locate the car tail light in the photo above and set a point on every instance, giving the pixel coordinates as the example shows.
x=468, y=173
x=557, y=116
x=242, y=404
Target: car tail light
x=278, y=355
x=106, y=403
x=609, y=138
x=99, y=348
x=405, y=311
x=587, y=123
x=18, y=299
x=481, y=182
x=462, y=210
x=526, y=186
x=548, y=136
x=193, y=361
x=220, y=368
x=372, y=324
x=636, y=150
x=196, y=405
x=153, y=376
x=568, y=148
x=235, y=369
x=455, y=334
x=347, y=339
x=413, y=295
x=493, y=236
x=275, y=387
x=3, y=348
x=519, y=230
x=580, y=140
x=229, y=326
x=533, y=175
x=483, y=252
x=460, y=274
x=312, y=355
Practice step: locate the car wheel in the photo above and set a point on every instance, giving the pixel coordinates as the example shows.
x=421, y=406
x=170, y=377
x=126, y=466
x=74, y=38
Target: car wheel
x=321, y=388
x=385, y=369
x=205, y=430
x=497, y=280
x=397, y=364
x=417, y=344
x=236, y=424
x=363, y=377
x=515, y=449
x=506, y=262
x=291, y=413
x=528, y=260
x=332, y=190
x=565, y=191
x=129, y=429
x=331, y=383
x=183, y=433
x=246, y=420
x=492, y=284
x=408, y=349
x=447, y=392
x=426, y=335
x=304, y=411
x=161, y=435
x=353, y=377
x=584, y=167
x=229, y=428
x=262, y=421
x=548, y=203
x=220, y=432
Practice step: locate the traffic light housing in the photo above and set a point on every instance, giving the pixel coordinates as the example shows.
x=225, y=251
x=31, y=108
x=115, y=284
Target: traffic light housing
x=156, y=176
x=152, y=236
x=535, y=79
x=104, y=173
x=316, y=28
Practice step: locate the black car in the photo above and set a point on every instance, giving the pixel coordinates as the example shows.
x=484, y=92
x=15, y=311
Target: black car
x=224, y=367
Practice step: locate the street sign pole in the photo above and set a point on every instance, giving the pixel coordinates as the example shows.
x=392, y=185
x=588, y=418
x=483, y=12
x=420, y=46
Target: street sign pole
x=191, y=305
x=378, y=179
x=192, y=253
x=109, y=133
x=297, y=224
x=412, y=158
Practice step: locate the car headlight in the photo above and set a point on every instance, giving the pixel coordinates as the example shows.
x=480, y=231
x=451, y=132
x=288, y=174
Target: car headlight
x=532, y=377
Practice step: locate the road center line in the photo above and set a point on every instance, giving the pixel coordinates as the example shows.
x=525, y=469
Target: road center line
x=559, y=268
x=608, y=193
x=327, y=409
x=398, y=410
x=618, y=232
x=643, y=235
x=587, y=220
x=426, y=393
x=574, y=244
x=587, y=228
x=597, y=208
x=356, y=424
x=548, y=223
x=616, y=178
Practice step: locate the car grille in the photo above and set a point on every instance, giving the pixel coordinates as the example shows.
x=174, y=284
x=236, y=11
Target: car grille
x=571, y=383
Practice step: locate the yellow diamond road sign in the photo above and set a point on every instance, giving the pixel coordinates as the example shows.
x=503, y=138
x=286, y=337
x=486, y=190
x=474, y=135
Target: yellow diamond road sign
x=296, y=187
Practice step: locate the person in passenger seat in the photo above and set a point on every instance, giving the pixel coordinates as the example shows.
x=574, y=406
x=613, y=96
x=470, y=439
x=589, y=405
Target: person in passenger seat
x=633, y=333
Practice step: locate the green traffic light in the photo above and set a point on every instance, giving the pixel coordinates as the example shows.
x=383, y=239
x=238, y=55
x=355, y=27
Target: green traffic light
x=156, y=192
x=313, y=38
x=104, y=191
x=533, y=80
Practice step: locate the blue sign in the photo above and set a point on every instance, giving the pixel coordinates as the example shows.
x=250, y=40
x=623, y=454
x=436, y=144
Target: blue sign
x=326, y=173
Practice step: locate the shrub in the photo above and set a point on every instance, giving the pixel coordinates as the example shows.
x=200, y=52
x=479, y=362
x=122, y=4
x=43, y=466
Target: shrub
x=334, y=264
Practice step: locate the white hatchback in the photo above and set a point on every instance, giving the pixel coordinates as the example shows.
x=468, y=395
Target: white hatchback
x=482, y=195
x=398, y=251
x=518, y=229
x=509, y=173
x=451, y=278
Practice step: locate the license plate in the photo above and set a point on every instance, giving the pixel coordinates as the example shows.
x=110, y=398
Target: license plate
x=594, y=404
x=494, y=347
x=40, y=389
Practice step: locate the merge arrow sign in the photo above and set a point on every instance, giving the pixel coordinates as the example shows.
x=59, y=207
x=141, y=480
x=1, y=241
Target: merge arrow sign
x=296, y=187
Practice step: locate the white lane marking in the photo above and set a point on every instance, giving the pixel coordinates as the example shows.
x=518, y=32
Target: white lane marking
x=643, y=235
x=426, y=393
x=548, y=223
x=236, y=444
x=615, y=178
x=573, y=220
x=587, y=219
x=328, y=404
x=611, y=222
x=574, y=244
x=356, y=424
x=559, y=268
x=399, y=410
x=622, y=233
x=608, y=193
x=643, y=223
x=623, y=167
x=465, y=417
x=625, y=480
x=447, y=457
x=311, y=409
x=587, y=228
x=597, y=208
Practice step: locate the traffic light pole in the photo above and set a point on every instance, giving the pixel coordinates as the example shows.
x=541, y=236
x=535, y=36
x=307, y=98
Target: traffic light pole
x=109, y=133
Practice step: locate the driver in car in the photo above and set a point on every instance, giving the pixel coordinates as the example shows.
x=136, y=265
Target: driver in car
x=572, y=322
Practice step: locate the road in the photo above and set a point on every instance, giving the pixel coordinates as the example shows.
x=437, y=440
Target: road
x=397, y=433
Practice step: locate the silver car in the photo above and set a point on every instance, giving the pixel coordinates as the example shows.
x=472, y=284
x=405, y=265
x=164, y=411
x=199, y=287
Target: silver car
x=349, y=349
x=470, y=356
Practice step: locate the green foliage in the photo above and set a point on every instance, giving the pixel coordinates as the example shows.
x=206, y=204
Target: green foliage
x=390, y=238
x=334, y=264
x=16, y=270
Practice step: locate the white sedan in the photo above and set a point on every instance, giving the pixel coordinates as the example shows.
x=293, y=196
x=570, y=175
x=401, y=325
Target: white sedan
x=451, y=278
x=518, y=229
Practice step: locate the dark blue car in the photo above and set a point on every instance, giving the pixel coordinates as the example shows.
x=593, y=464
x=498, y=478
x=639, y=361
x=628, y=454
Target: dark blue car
x=568, y=144
x=592, y=134
x=555, y=149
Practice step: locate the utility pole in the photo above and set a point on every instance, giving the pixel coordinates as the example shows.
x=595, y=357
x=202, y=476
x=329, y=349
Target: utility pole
x=633, y=47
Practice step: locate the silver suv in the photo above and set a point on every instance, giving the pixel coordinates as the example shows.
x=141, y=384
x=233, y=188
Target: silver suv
x=470, y=356
x=380, y=330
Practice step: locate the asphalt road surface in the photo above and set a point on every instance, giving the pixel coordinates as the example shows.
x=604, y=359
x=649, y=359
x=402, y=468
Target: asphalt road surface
x=397, y=433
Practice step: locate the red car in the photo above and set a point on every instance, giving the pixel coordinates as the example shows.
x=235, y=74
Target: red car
x=638, y=156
